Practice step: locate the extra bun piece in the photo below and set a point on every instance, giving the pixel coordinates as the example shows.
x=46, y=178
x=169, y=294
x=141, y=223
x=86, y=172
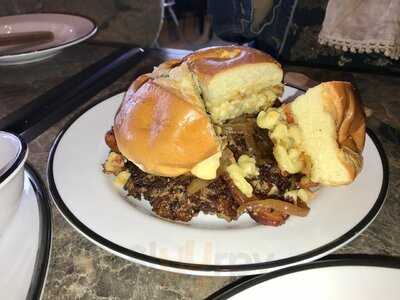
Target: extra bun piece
x=162, y=125
x=235, y=80
x=342, y=103
x=320, y=134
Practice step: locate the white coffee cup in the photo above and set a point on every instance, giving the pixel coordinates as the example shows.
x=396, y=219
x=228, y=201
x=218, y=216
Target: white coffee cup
x=13, y=154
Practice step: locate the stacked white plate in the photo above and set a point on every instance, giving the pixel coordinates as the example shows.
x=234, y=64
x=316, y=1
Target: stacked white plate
x=25, y=244
x=348, y=277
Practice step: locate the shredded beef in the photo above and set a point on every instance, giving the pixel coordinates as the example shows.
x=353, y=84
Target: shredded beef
x=169, y=198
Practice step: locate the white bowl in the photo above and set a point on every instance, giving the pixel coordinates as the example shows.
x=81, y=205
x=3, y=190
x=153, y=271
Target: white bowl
x=13, y=154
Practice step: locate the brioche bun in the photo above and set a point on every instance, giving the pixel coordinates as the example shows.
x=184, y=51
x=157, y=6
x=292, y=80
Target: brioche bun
x=162, y=125
x=235, y=80
x=161, y=132
x=320, y=134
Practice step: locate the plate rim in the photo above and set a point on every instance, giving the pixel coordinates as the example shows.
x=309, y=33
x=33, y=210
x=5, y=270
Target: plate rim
x=183, y=266
x=43, y=254
x=338, y=260
x=56, y=47
x=17, y=160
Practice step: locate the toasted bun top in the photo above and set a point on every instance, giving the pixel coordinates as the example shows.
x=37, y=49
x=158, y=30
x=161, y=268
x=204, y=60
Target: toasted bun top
x=343, y=104
x=161, y=132
x=209, y=61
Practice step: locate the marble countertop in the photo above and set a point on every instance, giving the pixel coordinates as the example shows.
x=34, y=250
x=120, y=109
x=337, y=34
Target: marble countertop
x=81, y=270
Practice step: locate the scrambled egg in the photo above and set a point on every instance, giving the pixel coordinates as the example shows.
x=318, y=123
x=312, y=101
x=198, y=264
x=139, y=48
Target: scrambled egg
x=245, y=167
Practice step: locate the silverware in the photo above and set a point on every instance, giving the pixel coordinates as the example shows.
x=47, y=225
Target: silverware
x=18, y=38
x=299, y=81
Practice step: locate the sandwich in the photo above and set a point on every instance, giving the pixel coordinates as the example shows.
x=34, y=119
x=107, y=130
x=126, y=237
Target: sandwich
x=205, y=133
x=320, y=134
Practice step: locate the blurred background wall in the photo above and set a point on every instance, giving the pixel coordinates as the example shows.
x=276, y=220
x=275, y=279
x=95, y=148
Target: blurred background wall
x=145, y=21
x=130, y=21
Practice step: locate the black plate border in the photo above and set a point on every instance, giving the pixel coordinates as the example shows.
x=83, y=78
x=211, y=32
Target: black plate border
x=20, y=157
x=45, y=235
x=107, y=244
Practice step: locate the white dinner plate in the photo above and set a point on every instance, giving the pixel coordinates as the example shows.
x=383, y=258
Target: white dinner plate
x=207, y=245
x=344, y=277
x=68, y=30
x=25, y=245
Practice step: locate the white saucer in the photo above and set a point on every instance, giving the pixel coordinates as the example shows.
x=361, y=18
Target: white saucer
x=25, y=245
x=207, y=245
x=68, y=30
x=343, y=277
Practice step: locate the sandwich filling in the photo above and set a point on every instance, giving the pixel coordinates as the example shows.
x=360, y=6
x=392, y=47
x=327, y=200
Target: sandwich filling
x=248, y=180
x=259, y=86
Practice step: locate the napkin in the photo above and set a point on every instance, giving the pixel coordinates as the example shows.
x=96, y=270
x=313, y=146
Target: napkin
x=363, y=26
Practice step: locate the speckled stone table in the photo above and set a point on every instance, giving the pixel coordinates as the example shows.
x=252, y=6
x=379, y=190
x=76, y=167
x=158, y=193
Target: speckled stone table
x=81, y=270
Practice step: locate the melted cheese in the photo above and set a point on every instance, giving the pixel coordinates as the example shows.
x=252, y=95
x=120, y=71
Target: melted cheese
x=303, y=194
x=268, y=120
x=207, y=169
x=121, y=179
x=274, y=190
x=287, y=140
x=114, y=163
x=248, y=166
x=245, y=167
x=241, y=104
